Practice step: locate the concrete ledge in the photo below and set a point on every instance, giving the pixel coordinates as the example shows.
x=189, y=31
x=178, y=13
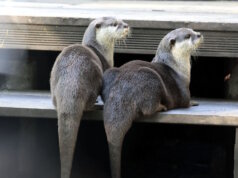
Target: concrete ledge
x=223, y=13
x=39, y=105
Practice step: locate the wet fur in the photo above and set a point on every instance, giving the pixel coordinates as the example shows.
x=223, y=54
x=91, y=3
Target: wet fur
x=141, y=88
x=76, y=81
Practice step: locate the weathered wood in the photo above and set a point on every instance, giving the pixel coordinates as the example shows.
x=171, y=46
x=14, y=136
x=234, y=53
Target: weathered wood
x=39, y=105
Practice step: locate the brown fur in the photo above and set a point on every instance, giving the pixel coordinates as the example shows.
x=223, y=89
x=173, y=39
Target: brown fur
x=141, y=88
x=76, y=80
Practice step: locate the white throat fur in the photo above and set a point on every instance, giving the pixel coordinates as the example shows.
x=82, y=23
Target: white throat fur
x=107, y=37
x=181, y=52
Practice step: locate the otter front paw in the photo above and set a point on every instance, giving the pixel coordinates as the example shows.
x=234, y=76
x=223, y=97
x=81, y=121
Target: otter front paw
x=161, y=108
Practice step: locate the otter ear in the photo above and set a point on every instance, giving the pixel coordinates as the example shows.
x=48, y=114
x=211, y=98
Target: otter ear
x=172, y=42
x=98, y=25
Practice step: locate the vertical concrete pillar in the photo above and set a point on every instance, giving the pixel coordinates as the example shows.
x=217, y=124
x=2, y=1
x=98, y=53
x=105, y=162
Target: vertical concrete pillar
x=232, y=93
x=232, y=80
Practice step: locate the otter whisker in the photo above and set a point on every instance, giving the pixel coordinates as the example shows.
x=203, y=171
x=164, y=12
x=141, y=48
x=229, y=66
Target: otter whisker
x=195, y=55
x=121, y=42
x=124, y=42
x=118, y=43
x=129, y=33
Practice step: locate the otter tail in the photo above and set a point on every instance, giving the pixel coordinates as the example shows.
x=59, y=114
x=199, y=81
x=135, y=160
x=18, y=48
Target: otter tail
x=117, y=121
x=70, y=112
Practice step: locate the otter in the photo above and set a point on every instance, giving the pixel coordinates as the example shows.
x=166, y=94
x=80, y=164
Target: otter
x=141, y=88
x=76, y=80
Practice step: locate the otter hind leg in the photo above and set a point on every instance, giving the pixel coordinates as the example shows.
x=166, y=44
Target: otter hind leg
x=150, y=108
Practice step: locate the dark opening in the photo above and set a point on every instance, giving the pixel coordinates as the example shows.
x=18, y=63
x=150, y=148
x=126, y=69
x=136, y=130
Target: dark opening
x=207, y=74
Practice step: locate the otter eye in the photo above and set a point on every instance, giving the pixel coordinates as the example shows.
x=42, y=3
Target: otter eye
x=187, y=36
x=115, y=24
x=98, y=25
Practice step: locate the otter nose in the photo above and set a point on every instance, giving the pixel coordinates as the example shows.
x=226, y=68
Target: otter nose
x=125, y=26
x=199, y=35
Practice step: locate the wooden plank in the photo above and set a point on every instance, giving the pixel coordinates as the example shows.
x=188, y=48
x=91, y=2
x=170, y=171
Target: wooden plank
x=39, y=105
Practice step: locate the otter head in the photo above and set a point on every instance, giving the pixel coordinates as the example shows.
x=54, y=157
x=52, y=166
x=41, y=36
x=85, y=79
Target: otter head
x=183, y=42
x=109, y=29
x=102, y=33
x=179, y=44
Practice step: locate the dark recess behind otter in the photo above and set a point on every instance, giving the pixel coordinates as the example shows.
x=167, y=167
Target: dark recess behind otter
x=207, y=78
